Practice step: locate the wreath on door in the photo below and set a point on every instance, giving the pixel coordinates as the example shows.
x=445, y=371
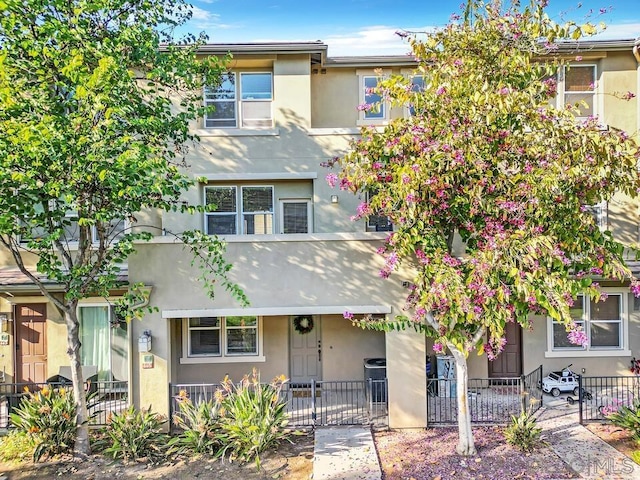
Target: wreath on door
x=303, y=324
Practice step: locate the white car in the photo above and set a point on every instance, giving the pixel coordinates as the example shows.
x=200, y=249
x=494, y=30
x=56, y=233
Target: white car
x=557, y=382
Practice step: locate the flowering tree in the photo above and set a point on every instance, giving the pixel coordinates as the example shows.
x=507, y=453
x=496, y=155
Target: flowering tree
x=485, y=161
x=95, y=121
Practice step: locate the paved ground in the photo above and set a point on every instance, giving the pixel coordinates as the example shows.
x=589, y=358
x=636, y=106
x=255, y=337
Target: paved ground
x=348, y=453
x=583, y=451
x=345, y=453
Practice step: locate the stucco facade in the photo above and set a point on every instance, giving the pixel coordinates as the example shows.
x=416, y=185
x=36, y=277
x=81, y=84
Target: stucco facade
x=316, y=266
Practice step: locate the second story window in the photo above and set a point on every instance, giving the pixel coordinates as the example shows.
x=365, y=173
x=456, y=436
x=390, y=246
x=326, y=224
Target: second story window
x=377, y=112
x=577, y=85
x=244, y=210
x=241, y=100
x=378, y=223
x=372, y=108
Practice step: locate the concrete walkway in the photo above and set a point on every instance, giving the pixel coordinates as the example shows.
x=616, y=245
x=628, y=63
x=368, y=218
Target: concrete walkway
x=348, y=453
x=345, y=453
x=582, y=450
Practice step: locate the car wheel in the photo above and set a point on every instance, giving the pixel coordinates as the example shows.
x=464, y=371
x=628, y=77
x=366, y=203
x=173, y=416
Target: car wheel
x=576, y=391
x=555, y=392
x=570, y=400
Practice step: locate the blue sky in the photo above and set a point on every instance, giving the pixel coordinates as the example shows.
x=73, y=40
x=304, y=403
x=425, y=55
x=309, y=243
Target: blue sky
x=354, y=27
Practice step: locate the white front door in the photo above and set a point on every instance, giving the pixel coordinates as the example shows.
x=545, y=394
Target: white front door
x=305, y=349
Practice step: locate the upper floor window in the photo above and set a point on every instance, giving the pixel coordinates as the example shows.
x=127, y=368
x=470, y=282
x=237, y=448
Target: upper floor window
x=295, y=215
x=577, y=84
x=378, y=223
x=250, y=210
x=372, y=108
x=246, y=210
x=599, y=212
x=245, y=103
x=114, y=230
x=417, y=85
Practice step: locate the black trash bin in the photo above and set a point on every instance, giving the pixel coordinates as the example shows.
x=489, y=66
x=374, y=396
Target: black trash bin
x=375, y=374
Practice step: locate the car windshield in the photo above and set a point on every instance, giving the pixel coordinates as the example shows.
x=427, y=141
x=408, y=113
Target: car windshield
x=554, y=376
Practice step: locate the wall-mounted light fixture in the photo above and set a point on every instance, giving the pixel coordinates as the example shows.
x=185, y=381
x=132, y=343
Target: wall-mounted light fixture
x=4, y=322
x=144, y=342
x=335, y=199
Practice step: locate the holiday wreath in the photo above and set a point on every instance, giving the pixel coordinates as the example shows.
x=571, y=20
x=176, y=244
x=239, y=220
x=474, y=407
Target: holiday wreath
x=303, y=324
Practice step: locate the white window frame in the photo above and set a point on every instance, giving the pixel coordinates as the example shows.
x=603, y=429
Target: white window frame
x=112, y=317
x=212, y=101
x=213, y=213
x=223, y=356
x=258, y=212
x=589, y=351
x=372, y=227
x=407, y=109
x=384, y=106
x=240, y=212
x=562, y=92
x=295, y=200
x=240, y=101
x=600, y=212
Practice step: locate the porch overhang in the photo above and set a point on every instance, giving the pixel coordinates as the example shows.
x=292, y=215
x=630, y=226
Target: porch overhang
x=273, y=311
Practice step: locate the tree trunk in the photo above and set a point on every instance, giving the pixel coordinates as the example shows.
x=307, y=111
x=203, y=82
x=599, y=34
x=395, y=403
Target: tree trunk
x=466, y=444
x=82, y=446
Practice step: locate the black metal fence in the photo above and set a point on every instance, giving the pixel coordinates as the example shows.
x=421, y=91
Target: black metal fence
x=491, y=400
x=103, y=398
x=315, y=403
x=600, y=396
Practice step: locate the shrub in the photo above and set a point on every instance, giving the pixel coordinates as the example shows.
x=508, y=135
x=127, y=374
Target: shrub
x=199, y=425
x=134, y=434
x=16, y=446
x=49, y=418
x=253, y=417
x=523, y=432
x=627, y=417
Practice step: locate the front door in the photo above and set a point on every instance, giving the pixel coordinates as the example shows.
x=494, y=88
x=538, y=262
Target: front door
x=509, y=363
x=305, y=349
x=31, y=343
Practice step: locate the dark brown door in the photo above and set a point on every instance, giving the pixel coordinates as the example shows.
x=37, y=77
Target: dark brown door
x=31, y=343
x=509, y=362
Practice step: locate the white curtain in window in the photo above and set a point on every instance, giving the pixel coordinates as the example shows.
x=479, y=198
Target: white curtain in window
x=94, y=337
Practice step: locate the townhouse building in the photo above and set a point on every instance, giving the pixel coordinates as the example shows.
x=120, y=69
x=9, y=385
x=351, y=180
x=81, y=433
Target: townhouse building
x=282, y=110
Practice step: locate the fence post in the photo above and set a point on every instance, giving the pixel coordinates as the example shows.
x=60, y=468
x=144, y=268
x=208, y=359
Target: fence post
x=313, y=402
x=170, y=411
x=540, y=386
x=580, y=398
x=523, y=399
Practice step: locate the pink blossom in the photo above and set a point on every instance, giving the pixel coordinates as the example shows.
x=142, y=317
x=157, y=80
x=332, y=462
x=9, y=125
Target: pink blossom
x=438, y=347
x=348, y=315
x=635, y=287
x=332, y=179
x=577, y=336
x=441, y=90
x=578, y=58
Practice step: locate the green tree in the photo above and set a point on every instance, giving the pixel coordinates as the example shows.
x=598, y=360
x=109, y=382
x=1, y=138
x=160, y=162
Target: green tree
x=486, y=162
x=95, y=105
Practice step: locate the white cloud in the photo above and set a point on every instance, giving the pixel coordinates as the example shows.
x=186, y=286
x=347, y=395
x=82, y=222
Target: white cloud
x=620, y=31
x=374, y=40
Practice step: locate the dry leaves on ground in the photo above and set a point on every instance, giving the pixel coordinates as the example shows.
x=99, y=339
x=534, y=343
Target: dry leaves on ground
x=289, y=462
x=430, y=454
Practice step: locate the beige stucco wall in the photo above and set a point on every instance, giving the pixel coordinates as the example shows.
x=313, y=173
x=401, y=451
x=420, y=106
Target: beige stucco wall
x=344, y=347
x=618, y=75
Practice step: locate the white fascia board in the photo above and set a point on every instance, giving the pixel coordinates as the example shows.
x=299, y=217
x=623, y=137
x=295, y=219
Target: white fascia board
x=271, y=311
x=260, y=176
